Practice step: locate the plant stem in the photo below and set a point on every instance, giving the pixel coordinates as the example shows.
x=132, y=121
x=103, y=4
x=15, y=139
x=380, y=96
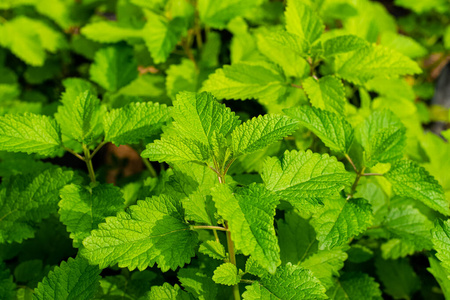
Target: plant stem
x=355, y=183
x=351, y=162
x=149, y=167
x=98, y=148
x=372, y=174
x=88, y=160
x=74, y=153
x=230, y=244
x=209, y=227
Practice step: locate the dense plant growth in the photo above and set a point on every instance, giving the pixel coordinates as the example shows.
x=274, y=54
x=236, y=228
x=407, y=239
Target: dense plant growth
x=132, y=168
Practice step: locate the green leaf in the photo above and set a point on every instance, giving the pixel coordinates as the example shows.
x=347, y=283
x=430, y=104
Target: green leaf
x=114, y=67
x=398, y=277
x=199, y=207
x=226, y=274
x=296, y=237
x=134, y=122
x=80, y=117
x=403, y=44
x=303, y=21
x=340, y=220
x=289, y=282
x=161, y=35
x=334, y=131
x=213, y=249
x=7, y=285
x=325, y=265
x=441, y=242
x=411, y=180
x=407, y=223
x=305, y=177
x=395, y=248
x=342, y=44
x=197, y=283
x=109, y=32
x=28, y=199
x=383, y=138
x=250, y=214
x=168, y=292
x=153, y=231
x=372, y=61
x=260, y=132
x=355, y=286
x=30, y=133
x=247, y=81
x=218, y=14
x=82, y=209
x=182, y=77
x=441, y=274
x=29, y=39
x=74, y=279
x=326, y=93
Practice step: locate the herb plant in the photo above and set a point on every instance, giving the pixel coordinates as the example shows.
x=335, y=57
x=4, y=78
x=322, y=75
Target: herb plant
x=283, y=150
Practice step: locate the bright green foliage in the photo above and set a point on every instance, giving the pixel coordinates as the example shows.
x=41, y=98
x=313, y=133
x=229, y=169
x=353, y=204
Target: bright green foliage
x=27, y=199
x=302, y=21
x=197, y=283
x=182, y=77
x=109, y=32
x=383, y=138
x=342, y=44
x=369, y=62
x=168, y=292
x=395, y=248
x=30, y=133
x=247, y=81
x=289, y=282
x=260, y=132
x=305, y=176
x=339, y=220
x=334, y=131
x=213, y=249
x=114, y=67
x=441, y=242
x=326, y=93
x=153, y=231
x=410, y=180
x=325, y=265
x=74, y=279
x=250, y=214
x=355, y=285
x=218, y=14
x=82, y=209
x=199, y=207
x=134, y=122
x=441, y=275
x=29, y=39
x=398, y=277
x=80, y=116
x=408, y=224
x=226, y=274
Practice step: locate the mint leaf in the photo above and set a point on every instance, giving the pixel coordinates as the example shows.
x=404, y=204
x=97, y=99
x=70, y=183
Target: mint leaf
x=199, y=208
x=247, y=80
x=114, y=67
x=28, y=199
x=7, y=285
x=289, y=282
x=82, y=209
x=395, y=248
x=339, y=220
x=218, y=14
x=168, y=292
x=413, y=181
x=305, y=177
x=250, y=214
x=383, y=138
x=109, y=32
x=153, y=231
x=355, y=285
x=226, y=274
x=441, y=242
x=302, y=21
x=134, y=122
x=260, y=132
x=197, y=283
x=407, y=223
x=342, y=44
x=213, y=249
x=30, y=133
x=334, y=131
x=74, y=279
x=372, y=61
x=440, y=274
x=326, y=93
x=79, y=116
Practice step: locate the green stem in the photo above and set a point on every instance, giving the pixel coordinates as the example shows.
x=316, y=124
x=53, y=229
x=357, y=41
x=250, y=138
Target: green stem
x=355, y=183
x=209, y=227
x=74, y=153
x=88, y=160
x=98, y=148
x=149, y=167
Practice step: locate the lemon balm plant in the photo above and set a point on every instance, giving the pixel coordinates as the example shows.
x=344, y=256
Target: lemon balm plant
x=321, y=184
